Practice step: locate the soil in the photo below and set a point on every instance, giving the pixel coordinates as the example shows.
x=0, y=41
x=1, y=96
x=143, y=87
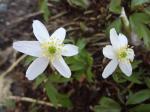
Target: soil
x=16, y=24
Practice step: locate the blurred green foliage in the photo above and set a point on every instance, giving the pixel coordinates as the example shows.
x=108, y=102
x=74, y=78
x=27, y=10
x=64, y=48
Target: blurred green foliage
x=139, y=19
x=115, y=6
x=107, y=104
x=43, y=4
x=83, y=4
x=81, y=64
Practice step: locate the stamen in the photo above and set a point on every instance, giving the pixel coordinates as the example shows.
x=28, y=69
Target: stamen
x=122, y=55
x=52, y=49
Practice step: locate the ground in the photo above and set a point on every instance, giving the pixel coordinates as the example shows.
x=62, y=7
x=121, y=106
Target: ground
x=16, y=24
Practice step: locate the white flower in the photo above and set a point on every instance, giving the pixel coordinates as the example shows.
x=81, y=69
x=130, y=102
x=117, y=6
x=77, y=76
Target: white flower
x=119, y=53
x=47, y=49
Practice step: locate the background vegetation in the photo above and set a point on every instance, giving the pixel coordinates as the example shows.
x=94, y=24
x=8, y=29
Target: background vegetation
x=87, y=23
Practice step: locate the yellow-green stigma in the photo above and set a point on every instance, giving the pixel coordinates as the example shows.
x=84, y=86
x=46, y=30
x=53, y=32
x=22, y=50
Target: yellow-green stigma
x=52, y=49
x=122, y=54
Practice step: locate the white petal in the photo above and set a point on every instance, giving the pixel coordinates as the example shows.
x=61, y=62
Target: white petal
x=131, y=54
x=108, y=52
x=28, y=47
x=61, y=67
x=59, y=34
x=110, y=68
x=40, y=31
x=114, y=38
x=126, y=67
x=37, y=67
x=69, y=50
x=123, y=40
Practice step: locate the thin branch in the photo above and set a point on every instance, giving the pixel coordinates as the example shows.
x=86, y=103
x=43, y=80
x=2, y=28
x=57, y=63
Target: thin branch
x=13, y=65
x=31, y=100
x=21, y=19
x=128, y=88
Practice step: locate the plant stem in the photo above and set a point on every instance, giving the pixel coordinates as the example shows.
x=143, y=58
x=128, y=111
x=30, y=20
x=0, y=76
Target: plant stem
x=31, y=100
x=13, y=65
x=128, y=87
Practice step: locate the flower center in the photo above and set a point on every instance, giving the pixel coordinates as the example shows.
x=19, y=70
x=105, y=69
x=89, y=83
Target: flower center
x=52, y=49
x=122, y=55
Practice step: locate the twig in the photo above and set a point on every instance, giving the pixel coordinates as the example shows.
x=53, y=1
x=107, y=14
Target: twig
x=128, y=87
x=13, y=66
x=58, y=15
x=31, y=100
x=25, y=18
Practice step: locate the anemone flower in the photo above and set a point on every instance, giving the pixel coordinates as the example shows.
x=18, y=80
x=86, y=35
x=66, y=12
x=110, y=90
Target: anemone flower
x=48, y=49
x=119, y=53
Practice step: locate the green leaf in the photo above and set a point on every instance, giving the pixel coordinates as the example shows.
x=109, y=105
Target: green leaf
x=147, y=81
x=107, y=105
x=118, y=77
x=51, y=92
x=115, y=6
x=57, y=78
x=55, y=97
x=76, y=67
x=146, y=35
x=44, y=9
x=84, y=4
x=39, y=80
x=135, y=3
x=115, y=24
x=81, y=64
x=135, y=77
x=141, y=108
x=135, y=64
x=64, y=100
x=9, y=103
x=89, y=75
x=81, y=43
x=29, y=59
x=138, y=23
x=139, y=97
x=147, y=10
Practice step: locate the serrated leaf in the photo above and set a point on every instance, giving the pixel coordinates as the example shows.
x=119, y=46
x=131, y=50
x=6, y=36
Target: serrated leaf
x=119, y=77
x=115, y=6
x=139, y=97
x=141, y=108
x=107, y=105
x=135, y=64
x=135, y=3
x=138, y=23
x=51, y=92
x=135, y=77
